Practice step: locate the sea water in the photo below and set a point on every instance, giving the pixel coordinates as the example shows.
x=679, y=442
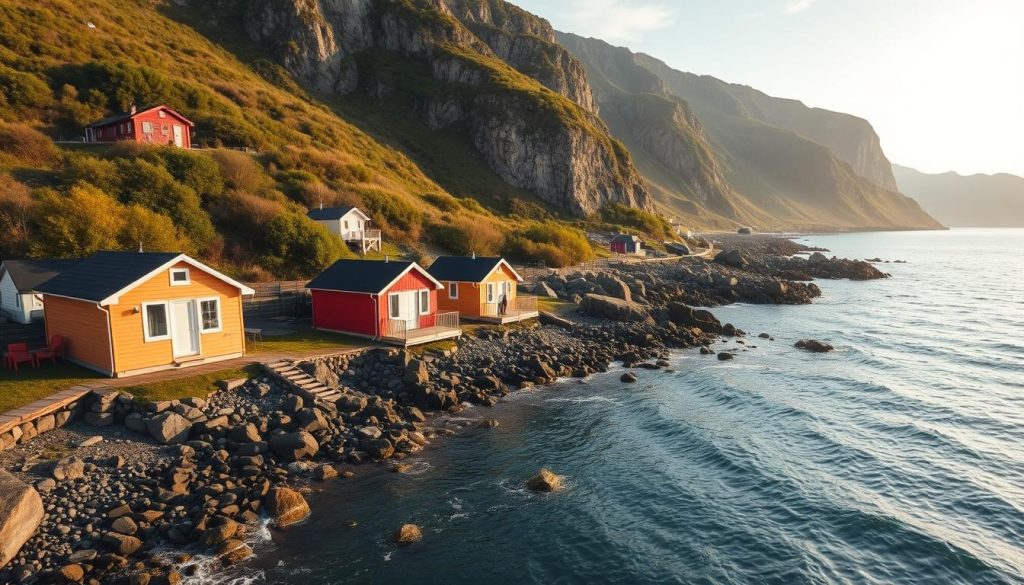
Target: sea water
x=898, y=458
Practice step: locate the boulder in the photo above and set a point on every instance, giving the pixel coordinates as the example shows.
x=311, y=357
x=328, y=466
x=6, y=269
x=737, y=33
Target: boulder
x=233, y=551
x=71, y=573
x=292, y=404
x=325, y=472
x=234, y=384
x=122, y=544
x=407, y=534
x=628, y=377
x=615, y=287
x=351, y=402
x=416, y=372
x=285, y=505
x=544, y=481
x=814, y=346
x=733, y=258
x=817, y=258
x=124, y=525
x=21, y=511
x=219, y=529
x=687, y=316
x=69, y=468
x=541, y=289
x=615, y=309
x=725, y=356
x=294, y=446
x=169, y=428
x=246, y=433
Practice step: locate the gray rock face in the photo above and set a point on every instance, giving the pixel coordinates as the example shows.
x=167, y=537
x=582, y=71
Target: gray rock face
x=557, y=148
x=21, y=511
x=169, y=428
x=613, y=308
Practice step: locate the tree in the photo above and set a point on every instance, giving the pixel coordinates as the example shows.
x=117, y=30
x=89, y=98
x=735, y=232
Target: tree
x=151, y=232
x=196, y=171
x=153, y=187
x=16, y=206
x=295, y=246
x=84, y=221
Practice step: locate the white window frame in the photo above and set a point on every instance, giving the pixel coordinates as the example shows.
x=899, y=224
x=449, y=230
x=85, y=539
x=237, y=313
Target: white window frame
x=188, y=277
x=145, y=321
x=393, y=306
x=490, y=292
x=220, y=320
x=162, y=114
x=453, y=290
x=424, y=307
x=146, y=125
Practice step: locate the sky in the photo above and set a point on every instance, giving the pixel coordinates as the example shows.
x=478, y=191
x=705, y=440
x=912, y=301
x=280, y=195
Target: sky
x=941, y=81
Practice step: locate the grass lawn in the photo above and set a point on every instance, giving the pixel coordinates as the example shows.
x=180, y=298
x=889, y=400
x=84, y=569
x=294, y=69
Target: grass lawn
x=307, y=340
x=556, y=306
x=200, y=385
x=30, y=384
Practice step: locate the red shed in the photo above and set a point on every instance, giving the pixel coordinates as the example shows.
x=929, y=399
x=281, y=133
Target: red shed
x=394, y=302
x=154, y=125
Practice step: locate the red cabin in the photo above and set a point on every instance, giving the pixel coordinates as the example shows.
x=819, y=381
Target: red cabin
x=394, y=302
x=154, y=125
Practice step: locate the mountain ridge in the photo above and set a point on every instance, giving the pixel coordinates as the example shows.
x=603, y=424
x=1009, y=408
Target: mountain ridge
x=975, y=200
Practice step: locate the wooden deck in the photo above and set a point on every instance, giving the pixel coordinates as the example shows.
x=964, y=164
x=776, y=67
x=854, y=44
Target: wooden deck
x=424, y=335
x=508, y=317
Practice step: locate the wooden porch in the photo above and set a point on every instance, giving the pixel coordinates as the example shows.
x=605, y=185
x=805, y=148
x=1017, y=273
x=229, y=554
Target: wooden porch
x=441, y=325
x=366, y=240
x=521, y=308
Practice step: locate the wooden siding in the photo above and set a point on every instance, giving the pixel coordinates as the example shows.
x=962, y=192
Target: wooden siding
x=132, y=352
x=344, y=311
x=414, y=280
x=84, y=327
x=472, y=295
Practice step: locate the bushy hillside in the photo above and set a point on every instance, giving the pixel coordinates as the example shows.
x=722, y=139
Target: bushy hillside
x=64, y=64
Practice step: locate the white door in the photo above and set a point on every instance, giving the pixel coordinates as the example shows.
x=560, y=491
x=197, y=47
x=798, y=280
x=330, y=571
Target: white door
x=408, y=309
x=178, y=140
x=184, y=328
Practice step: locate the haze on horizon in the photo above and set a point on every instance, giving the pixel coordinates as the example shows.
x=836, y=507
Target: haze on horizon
x=941, y=81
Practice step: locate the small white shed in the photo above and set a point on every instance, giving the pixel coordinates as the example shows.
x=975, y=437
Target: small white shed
x=18, y=280
x=350, y=224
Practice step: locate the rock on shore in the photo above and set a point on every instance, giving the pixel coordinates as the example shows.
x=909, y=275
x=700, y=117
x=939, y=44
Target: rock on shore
x=21, y=511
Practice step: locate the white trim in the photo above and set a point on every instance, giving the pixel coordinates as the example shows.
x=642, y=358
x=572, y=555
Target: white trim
x=438, y=285
x=490, y=294
x=146, y=337
x=199, y=310
x=390, y=316
x=114, y=298
x=188, y=277
x=419, y=301
x=453, y=285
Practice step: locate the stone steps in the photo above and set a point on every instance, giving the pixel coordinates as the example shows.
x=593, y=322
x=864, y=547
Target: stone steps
x=301, y=383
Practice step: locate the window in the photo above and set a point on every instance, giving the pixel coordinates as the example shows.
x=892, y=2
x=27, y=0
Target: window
x=393, y=306
x=453, y=290
x=424, y=302
x=147, y=127
x=490, y=292
x=154, y=322
x=346, y=223
x=17, y=300
x=162, y=114
x=179, y=277
x=163, y=129
x=209, y=314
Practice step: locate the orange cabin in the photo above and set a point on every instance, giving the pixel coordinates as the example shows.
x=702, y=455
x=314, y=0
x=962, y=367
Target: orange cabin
x=482, y=289
x=125, y=313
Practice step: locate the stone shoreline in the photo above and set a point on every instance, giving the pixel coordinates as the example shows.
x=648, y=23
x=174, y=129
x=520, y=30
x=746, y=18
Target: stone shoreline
x=197, y=476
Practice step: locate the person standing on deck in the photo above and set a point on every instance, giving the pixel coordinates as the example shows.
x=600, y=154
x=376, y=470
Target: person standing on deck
x=502, y=304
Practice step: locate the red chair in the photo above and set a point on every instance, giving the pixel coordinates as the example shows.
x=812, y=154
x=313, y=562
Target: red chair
x=17, y=353
x=52, y=352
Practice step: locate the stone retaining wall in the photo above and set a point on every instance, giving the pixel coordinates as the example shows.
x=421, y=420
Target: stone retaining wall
x=23, y=424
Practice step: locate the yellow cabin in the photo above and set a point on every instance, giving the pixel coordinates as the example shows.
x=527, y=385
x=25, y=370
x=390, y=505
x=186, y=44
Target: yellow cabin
x=124, y=313
x=481, y=289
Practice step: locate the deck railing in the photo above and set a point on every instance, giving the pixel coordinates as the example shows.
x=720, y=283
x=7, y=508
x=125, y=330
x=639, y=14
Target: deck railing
x=429, y=324
x=519, y=305
x=357, y=235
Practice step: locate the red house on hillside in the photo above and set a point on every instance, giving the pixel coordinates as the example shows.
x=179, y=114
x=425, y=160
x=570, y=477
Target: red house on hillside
x=154, y=125
x=394, y=302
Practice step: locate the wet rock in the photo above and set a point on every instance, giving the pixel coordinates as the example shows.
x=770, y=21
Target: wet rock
x=407, y=534
x=628, y=377
x=325, y=472
x=724, y=356
x=122, y=544
x=232, y=552
x=544, y=481
x=814, y=346
x=286, y=506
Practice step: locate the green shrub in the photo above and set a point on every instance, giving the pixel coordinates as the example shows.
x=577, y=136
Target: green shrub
x=154, y=187
x=84, y=221
x=464, y=236
x=442, y=201
x=630, y=217
x=22, y=91
x=296, y=247
x=391, y=211
x=196, y=171
x=26, y=144
x=554, y=244
x=527, y=210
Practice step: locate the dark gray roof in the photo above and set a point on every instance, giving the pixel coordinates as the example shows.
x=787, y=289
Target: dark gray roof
x=29, y=274
x=462, y=268
x=362, y=276
x=329, y=213
x=104, y=273
x=626, y=238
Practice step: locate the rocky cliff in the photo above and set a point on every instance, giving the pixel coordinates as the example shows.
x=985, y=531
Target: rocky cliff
x=480, y=68
x=666, y=139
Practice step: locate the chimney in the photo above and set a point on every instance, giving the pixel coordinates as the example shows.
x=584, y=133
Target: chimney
x=387, y=259
x=133, y=109
x=474, y=254
x=140, y=247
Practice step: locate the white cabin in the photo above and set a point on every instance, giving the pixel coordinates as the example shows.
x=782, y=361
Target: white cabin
x=18, y=280
x=350, y=224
